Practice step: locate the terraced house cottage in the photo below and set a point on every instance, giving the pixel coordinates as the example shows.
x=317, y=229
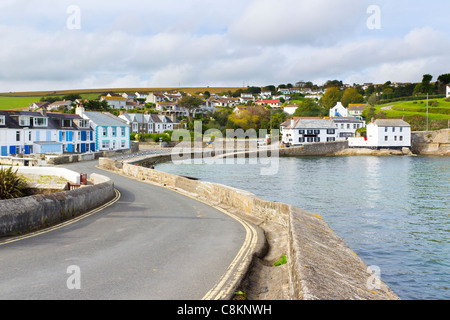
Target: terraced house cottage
x=25, y=132
x=110, y=132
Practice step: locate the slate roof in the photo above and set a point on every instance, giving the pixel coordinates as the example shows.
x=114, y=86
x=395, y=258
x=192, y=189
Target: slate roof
x=391, y=123
x=105, y=119
x=53, y=122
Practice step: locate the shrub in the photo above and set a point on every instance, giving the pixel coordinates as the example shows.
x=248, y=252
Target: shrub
x=12, y=185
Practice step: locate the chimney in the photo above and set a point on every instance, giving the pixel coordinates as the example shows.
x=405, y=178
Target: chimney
x=79, y=110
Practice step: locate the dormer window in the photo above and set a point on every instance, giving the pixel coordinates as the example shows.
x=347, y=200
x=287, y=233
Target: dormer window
x=40, y=121
x=83, y=123
x=24, y=121
x=66, y=123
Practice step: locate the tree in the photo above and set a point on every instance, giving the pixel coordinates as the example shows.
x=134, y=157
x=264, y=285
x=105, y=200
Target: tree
x=351, y=95
x=190, y=103
x=308, y=108
x=331, y=96
x=443, y=80
x=424, y=87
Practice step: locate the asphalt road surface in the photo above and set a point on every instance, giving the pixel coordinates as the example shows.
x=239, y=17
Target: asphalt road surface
x=152, y=243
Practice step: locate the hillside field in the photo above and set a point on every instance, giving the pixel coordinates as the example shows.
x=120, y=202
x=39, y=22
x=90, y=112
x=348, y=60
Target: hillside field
x=18, y=100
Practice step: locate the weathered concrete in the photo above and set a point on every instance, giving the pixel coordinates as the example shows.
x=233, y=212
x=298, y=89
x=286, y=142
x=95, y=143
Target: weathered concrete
x=431, y=142
x=36, y=211
x=320, y=265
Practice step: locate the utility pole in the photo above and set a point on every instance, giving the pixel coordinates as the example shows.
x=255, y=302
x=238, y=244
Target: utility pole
x=427, y=111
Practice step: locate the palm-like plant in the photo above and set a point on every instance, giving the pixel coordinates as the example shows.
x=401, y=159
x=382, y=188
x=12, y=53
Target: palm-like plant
x=12, y=185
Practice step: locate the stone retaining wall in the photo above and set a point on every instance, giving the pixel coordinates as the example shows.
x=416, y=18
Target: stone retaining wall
x=33, y=212
x=320, y=265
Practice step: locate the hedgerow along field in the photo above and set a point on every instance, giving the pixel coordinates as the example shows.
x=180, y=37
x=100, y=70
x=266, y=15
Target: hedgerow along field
x=20, y=100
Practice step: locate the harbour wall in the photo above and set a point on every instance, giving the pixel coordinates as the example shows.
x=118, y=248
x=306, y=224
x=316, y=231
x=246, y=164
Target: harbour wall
x=320, y=266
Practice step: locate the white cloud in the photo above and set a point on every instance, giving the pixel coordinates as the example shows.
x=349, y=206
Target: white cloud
x=168, y=43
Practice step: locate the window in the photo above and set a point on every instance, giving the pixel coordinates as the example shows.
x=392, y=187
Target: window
x=316, y=139
x=395, y=138
x=122, y=144
x=385, y=129
x=105, y=131
x=105, y=144
x=310, y=132
x=385, y=138
x=301, y=140
x=40, y=122
x=401, y=138
x=316, y=131
x=24, y=121
x=401, y=129
x=66, y=123
x=329, y=139
x=348, y=125
x=83, y=123
x=393, y=129
x=114, y=131
x=331, y=131
x=2, y=120
x=17, y=135
x=301, y=131
x=122, y=131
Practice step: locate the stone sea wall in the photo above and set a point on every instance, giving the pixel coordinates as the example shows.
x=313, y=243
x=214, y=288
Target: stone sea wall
x=320, y=266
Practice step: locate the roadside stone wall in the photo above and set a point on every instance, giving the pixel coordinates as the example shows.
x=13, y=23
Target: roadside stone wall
x=320, y=266
x=36, y=211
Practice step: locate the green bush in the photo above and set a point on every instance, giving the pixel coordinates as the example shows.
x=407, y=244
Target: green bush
x=12, y=185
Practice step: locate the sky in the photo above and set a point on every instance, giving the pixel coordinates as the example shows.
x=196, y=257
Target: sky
x=80, y=44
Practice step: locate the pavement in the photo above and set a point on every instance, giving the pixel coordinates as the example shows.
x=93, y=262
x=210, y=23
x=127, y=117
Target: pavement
x=152, y=244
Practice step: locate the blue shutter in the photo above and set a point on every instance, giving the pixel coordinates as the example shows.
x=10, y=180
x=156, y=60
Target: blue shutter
x=60, y=136
x=49, y=136
x=83, y=135
x=27, y=149
x=4, y=151
x=83, y=147
x=70, y=147
x=12, y=149
x=92, y=135
x=93, y=147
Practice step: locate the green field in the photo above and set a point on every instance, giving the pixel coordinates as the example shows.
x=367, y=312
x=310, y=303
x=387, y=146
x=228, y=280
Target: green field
x=19, y=100
x=437, y=109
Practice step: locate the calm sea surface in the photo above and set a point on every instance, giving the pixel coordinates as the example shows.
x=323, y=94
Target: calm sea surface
x=394, y=212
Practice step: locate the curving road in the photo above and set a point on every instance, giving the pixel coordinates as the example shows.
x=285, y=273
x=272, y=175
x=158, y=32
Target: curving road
x=152, y=243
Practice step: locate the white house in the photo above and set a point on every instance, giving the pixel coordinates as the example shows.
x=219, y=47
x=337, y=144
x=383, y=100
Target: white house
x=115, y=102
x=66, y=104
x=110, y=132
x=356, y=110
x=44, y=133
x=298, y=131
x=448, y=91
x=149, y=123
x=290, y=109
x=339, y=111
x=384, y=133
x=346, y=127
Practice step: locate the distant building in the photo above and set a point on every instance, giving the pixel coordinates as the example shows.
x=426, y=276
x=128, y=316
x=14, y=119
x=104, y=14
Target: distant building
x=110, y=132
x=356, y=110
x=115, y=102
x=339, y=111
x=448, y=91
x=149, y=123
x=290, y=109
x=384, y=133
x=298, y=131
